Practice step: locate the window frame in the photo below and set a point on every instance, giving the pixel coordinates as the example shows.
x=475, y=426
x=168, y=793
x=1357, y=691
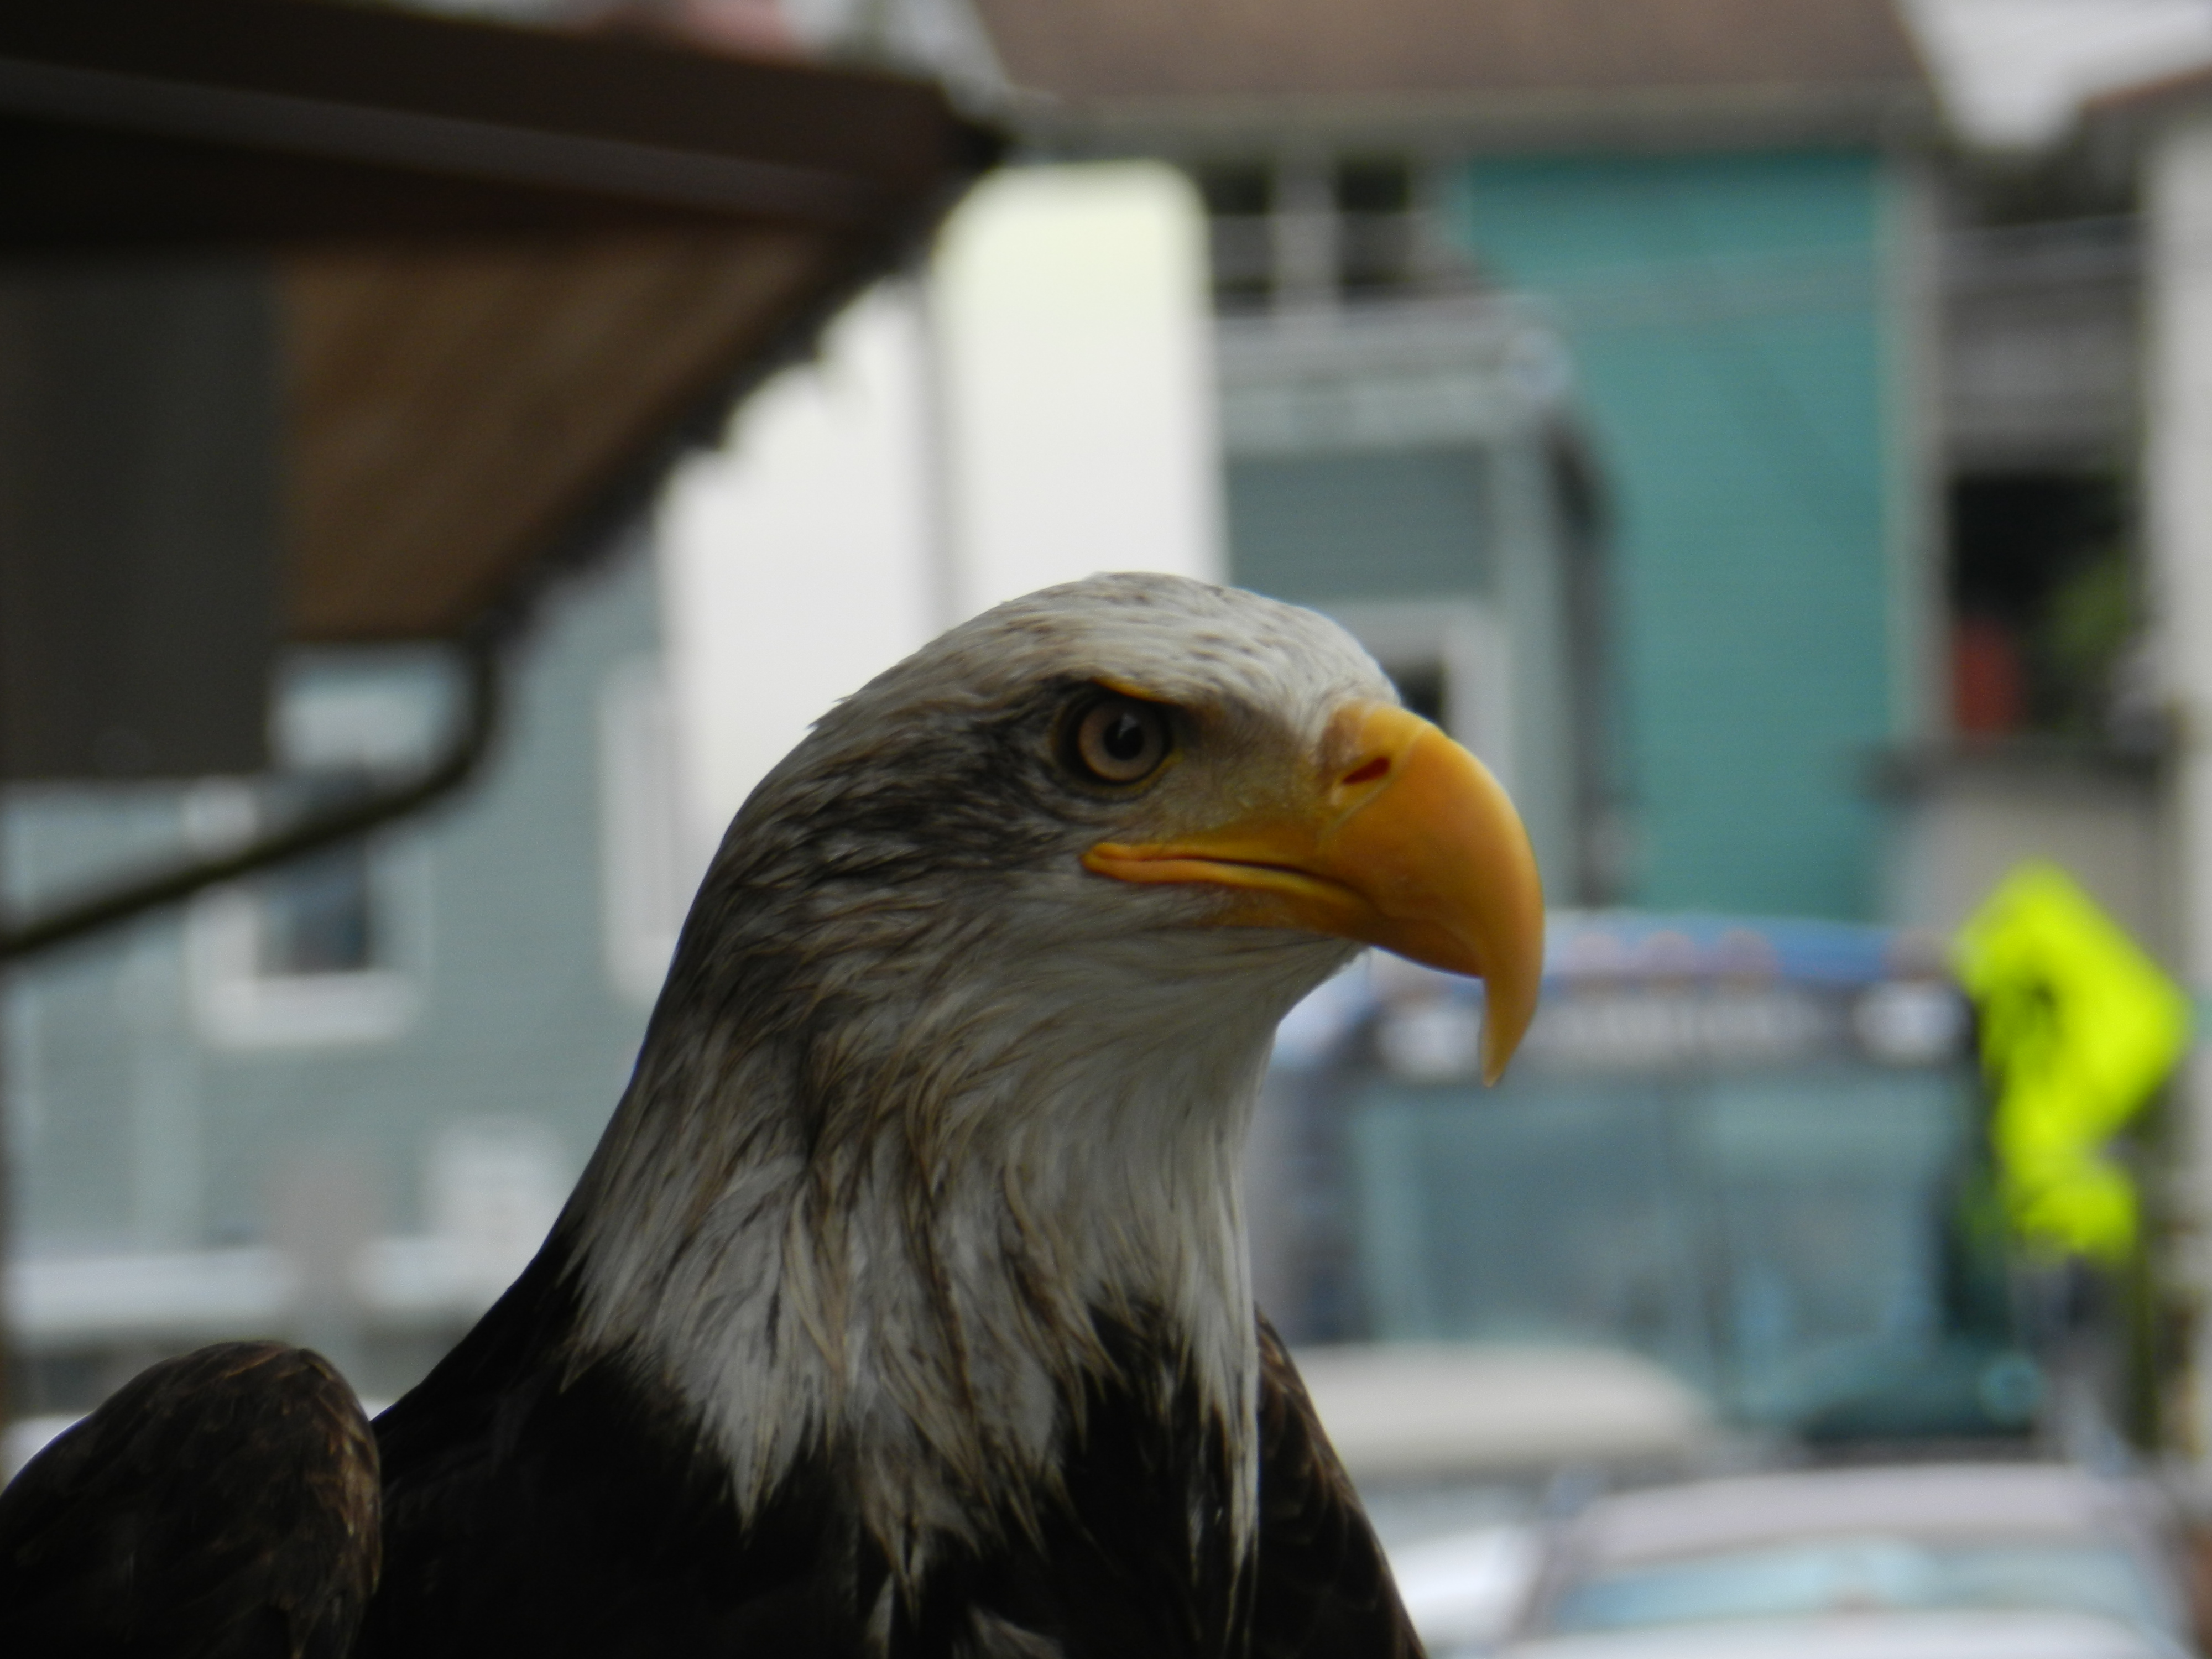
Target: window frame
x=374, y=724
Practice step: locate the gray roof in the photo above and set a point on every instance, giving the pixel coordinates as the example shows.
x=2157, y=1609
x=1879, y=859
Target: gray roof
x=1510, y=71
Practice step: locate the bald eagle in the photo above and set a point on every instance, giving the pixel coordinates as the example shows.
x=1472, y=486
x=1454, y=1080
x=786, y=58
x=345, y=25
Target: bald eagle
x=904, y=1308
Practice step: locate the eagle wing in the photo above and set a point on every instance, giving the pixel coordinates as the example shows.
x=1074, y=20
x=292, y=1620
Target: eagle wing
x=1324, y=1591
x=224, y=1503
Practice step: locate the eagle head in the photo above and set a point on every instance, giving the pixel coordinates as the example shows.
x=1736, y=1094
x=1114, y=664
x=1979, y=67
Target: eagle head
x=1226, y=761
x=954, y=1063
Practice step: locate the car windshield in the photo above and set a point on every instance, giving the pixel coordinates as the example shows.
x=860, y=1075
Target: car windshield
x=1864, y=1575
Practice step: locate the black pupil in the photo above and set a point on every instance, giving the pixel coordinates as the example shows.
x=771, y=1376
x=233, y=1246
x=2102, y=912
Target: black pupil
x=1124, y=736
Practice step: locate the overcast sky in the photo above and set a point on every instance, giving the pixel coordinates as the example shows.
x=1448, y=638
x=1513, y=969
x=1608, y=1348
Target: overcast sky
x=2013, y=70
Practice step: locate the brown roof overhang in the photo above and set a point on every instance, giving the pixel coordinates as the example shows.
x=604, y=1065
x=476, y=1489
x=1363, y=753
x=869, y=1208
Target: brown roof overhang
x=508, y=263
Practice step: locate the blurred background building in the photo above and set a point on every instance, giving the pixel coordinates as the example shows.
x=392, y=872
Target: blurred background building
x=345, y=351
x=1765, y=430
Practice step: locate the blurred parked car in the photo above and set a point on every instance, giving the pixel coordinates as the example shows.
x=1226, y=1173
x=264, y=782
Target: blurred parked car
x=1450, y=1446
x=1750, y=1152
x=1951, y=1561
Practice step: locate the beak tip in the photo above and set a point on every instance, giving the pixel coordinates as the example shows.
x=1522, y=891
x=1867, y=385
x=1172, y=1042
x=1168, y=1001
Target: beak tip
x=1505, y=1021
x=1496, y=1052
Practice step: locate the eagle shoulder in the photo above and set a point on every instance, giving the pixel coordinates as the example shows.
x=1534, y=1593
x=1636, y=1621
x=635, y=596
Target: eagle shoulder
x=1323, y=1589
x=222, y=1501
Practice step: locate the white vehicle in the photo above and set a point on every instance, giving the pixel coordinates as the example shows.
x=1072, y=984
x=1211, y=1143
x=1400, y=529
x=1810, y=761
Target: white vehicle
x=1955, y=1561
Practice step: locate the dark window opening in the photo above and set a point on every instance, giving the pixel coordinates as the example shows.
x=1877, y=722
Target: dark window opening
x=1421, y=688
x=1237, y=189
x=320, y=916
x=1377, y=244
x=1368, y=234
x=1600, y=875
x=1370, y=185
x=1240, y=203
x=2043, y=604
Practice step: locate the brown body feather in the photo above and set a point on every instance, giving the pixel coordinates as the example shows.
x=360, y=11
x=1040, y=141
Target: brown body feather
x=1324, y=1588
x=222, y=1505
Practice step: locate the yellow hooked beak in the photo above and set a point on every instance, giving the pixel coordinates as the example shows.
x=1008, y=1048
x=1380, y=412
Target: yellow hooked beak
x=1406, y=842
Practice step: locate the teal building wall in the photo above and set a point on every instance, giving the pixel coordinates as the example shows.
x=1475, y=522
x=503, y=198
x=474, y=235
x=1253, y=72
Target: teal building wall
x=1734, y=325
x=129, y=1130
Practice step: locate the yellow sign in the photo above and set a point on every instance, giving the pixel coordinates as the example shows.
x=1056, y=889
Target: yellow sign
x=2078, y=1027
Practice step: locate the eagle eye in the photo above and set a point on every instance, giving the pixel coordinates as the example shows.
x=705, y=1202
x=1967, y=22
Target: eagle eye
x=1120, y=740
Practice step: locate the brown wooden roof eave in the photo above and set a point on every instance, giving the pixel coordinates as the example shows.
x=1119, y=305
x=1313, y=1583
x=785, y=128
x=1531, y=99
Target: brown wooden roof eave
x=513, y=267
x=619, y=118
x=536, y=380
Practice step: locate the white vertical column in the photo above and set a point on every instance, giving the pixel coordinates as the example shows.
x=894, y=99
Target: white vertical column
x=796, y=559
x=1040, y=408
x=2177, y=481
x=1074, y=336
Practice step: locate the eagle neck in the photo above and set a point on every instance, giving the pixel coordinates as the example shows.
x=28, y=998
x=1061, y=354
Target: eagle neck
x=919, y=1230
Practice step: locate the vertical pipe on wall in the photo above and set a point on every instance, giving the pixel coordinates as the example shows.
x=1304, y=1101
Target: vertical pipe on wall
x=1910, y=249
x=2178, y=492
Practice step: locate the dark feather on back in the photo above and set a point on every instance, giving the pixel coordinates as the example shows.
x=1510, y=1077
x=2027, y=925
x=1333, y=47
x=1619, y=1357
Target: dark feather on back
x=221, y=1505
x=1324, y=1589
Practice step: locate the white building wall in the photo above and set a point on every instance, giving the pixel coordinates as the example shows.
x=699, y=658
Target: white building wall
x=1040, y=406
x=796, y=561
x=1077, y=390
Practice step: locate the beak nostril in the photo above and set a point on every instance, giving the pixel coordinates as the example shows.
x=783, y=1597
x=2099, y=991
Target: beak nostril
x=1372, y=770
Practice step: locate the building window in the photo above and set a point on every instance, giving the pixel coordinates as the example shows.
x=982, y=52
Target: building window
x=1240, y=206
x=1316, y=232
x=332, y=949
x=320, y=916
x=2044, y=610
x=1425, y=687
x=1450, y=660
x=1378, y=234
